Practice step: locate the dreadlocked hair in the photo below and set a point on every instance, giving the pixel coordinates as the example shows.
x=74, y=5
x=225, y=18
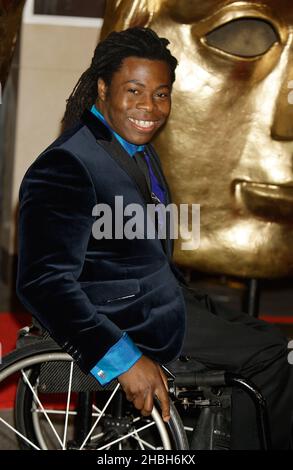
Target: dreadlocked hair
x=108, y=57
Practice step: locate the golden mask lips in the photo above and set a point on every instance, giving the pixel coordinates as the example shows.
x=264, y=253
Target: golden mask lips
x=269, y=201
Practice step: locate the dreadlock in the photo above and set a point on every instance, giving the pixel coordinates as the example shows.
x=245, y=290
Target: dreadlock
x=107, y=59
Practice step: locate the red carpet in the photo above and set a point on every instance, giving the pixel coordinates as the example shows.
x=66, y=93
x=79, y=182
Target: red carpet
x=9, y=326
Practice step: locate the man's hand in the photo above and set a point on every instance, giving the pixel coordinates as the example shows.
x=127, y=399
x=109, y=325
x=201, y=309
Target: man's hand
x=144, y=380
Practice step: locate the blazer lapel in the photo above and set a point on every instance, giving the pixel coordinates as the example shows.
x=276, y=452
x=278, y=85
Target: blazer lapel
x=117, y=152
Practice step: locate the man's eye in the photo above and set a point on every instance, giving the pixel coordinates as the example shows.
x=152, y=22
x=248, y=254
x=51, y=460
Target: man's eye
x=244, y=37
x=133, y=90
x=162, y=95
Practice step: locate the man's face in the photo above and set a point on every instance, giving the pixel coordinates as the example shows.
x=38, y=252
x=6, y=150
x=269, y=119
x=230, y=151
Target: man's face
x=138, y=100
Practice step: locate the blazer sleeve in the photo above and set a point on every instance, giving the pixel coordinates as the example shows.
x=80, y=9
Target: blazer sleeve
x=55, y=222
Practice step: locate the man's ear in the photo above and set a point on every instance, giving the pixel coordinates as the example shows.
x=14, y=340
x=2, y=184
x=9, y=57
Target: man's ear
x=102, y=89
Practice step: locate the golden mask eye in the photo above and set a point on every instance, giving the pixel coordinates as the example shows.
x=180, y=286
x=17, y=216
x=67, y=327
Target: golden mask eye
x=244, y=37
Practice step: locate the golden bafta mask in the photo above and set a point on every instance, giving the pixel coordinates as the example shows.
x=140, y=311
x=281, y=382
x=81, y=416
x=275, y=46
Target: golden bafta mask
x=228, y=144
x=10, y=19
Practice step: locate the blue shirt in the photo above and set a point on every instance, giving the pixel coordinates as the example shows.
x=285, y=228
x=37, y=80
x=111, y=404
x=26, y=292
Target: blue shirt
x=118, y=359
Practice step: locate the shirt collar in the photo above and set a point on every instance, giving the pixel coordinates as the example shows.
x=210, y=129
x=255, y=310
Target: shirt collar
x=130, y=148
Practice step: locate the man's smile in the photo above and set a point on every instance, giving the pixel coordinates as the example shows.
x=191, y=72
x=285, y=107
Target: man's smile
x=143, y=125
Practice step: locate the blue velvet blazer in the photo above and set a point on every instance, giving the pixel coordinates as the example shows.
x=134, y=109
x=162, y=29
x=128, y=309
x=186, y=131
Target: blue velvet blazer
x=86, y=292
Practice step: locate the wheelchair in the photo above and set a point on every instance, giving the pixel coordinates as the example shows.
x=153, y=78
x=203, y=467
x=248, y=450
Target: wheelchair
x=57, y=406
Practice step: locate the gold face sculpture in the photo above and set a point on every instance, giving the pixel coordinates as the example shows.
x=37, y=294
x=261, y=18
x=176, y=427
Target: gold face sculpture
x=228, y=144
x=10, y=19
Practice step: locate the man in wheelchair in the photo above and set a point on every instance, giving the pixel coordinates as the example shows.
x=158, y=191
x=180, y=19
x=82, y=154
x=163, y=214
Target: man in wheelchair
x=115, y=301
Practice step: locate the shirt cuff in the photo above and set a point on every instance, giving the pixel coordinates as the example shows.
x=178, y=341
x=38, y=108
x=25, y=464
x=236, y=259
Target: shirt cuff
x=117, y=360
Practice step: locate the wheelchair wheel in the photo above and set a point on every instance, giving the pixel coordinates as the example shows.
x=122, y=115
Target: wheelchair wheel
x=59, y=407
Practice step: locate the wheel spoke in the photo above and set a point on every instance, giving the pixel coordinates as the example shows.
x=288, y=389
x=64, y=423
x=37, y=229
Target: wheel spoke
x=55, y=412
x=98, y=419
x=40, y=404
x=140, y=441
x=97, y=436
x=97, y=409
x=126, y=436
x=147, y=444
x=62, y=412
x=19, y=434
x=37, y=427
x=188, y=428
x=67, y=406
